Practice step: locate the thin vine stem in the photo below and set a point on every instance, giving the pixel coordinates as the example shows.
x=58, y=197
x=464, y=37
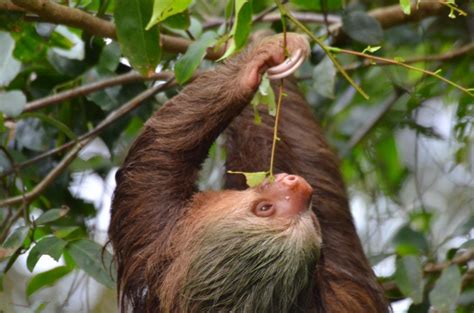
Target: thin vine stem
x=411, y=67
x=285, y=12
x=275, y=127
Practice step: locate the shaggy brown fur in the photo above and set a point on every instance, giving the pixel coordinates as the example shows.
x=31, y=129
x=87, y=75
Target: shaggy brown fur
x=156, y=191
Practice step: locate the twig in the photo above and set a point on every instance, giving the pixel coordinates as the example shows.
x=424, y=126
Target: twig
x=325, y=48
x=461, y=259
x=92, y=87
x=55, y=172
x=402, y=64
x=81, y=142
x=428, y=58
x=275, y=127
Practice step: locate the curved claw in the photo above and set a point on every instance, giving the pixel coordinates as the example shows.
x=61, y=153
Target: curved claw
x=288, y=67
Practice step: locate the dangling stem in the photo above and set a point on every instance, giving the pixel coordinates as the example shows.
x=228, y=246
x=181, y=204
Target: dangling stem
x=275, y=127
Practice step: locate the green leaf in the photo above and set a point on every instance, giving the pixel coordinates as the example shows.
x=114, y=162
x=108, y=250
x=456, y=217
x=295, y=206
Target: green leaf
x=88, y=256
x=447, y=289
x=162, y=9
x=109, y=58
x=252, y=179
x=64, y=232
x=140, y=46
x=178, y=21
x=319, y=5
x=408, y=241
x=51, y=246
x=406, y=6
x=241, y=28
x=45, y=279
x=324, y=78
x=188, y=63
x=16, y=239
x=9, y=66
x=51, y=215
x=264, y=96
x=12, y=102
x=362, y=27
x=409, y=277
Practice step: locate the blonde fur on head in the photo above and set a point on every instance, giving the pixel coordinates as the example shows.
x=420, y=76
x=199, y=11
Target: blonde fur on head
x=238, y=262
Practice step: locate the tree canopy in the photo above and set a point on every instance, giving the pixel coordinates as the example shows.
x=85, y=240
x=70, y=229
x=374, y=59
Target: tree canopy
x=390, y=82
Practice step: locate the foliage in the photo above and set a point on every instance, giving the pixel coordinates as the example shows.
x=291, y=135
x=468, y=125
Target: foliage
x=406, y=149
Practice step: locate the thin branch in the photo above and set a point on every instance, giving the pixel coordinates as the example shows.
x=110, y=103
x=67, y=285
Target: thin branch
x=461, y=259
x=55, y=172
x=83, y=90
x=428, y=58
x=402, y=64
x=81, y=142
x=284, y=11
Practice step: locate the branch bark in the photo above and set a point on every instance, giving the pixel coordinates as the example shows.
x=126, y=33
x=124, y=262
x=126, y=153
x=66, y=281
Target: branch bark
x=79, y=144
x=55, y=13
x=391, y=16
x=60, y=14
x=92, y=87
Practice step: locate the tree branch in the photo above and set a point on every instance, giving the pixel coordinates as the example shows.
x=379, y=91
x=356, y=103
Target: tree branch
x=79, y=143
x=461, y=259
x=55, y=13
x=391, y=16
x=92, y=87
x=60, y=14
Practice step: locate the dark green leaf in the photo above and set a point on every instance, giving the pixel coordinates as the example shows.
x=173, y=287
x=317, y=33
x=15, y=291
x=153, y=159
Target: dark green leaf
x=65, y=232
x=88, y=256
x=12, y=102
x=16, y=239
x=241, y=28
x=409, y=277
x=140, y=46
x=189, y=62
x=162, y=9
x=109, y=58
x=407, y=241
x=178, y=21
x=51, y=246
x=362, y=27
x=318, y=5
x=446, y=290
x=45, y=279
x=51, y=215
